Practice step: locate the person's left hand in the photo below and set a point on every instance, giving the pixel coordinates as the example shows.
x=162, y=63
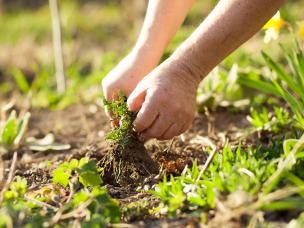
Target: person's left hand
x=165, y=99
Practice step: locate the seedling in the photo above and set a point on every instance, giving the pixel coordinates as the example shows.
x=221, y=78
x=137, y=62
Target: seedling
x=127, y=162
x=85, y=170
x=233, y=170
x=12, y=130
x=124, y=116
x=220, y=88
x=270, y=121
x=282, y=83
x=89, y=204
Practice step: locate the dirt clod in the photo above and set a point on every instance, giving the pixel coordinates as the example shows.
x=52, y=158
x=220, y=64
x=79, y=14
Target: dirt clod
x=128, y=164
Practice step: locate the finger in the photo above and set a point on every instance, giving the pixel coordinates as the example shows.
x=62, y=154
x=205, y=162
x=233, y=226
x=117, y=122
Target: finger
x=146, y=116
x=174, y=130
x=157, y=129
x=136, y=99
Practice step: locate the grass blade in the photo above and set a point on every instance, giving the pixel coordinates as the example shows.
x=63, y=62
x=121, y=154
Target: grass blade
x=283, y=75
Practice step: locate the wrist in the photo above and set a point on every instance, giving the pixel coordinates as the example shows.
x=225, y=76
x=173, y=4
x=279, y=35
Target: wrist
x=150, y=51
x=191, y=70
x=181, y=70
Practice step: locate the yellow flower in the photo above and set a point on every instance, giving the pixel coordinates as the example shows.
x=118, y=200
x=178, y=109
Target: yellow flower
x=301, y=30
x=273, y=27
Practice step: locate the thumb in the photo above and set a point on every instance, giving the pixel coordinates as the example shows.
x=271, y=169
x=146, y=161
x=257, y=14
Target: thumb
x=136, y=99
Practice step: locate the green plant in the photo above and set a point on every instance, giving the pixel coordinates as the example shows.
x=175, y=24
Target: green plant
x=12, y=130
x=124, y=116
x=237, y=172
x=220, y=88
x=287, y=84
x=88, y=205
x=85, y=171
x=271, y=121
x=184, y=193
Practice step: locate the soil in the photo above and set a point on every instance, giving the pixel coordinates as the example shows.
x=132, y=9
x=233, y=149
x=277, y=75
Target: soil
x=84, y=128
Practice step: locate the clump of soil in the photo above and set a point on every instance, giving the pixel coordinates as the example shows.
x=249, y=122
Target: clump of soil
x=128, y=164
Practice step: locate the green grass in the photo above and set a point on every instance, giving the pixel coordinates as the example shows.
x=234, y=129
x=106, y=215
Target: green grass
x=265, y=177
x=283, y=83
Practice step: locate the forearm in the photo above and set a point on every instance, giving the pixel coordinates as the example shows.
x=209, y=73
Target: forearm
x=163, y=19
x=230, y=24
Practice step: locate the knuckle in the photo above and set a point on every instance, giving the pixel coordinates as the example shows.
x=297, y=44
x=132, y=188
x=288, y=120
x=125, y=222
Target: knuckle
x=139, y=126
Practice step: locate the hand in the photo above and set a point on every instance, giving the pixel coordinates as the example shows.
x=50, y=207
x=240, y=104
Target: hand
x=165, y=100
x=126, y=75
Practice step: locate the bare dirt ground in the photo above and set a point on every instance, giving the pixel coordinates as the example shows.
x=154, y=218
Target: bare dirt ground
x=84, y=128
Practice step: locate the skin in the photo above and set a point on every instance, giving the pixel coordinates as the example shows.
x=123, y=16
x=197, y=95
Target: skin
x=164, y=95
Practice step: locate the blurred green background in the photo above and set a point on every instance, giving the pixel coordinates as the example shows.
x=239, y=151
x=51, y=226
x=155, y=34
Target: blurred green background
x=96, y=34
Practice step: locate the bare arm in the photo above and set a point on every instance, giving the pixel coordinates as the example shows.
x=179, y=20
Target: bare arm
x=166, y=97
x=230, y=24
x=162, y=21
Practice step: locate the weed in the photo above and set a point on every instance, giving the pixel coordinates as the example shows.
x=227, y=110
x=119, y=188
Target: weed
x=12, y=130
x=128, y=161
x=220, y=88
x=88, y=206
x=266, y=120
x=84, y=169
x=243, y=171
x=124, y=116
x=289, y=86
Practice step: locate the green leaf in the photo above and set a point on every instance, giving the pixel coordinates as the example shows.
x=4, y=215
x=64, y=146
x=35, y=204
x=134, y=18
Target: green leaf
x=286, y=204
x=282, y=74
x=258, y=84
x=21, y=81
x=88, y=175
x=62, y=175
x=74, y=163
x=80, y=197
x=22, y=128
x=10, y=130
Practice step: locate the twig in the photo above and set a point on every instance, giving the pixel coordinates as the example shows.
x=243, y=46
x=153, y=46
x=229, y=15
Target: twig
x=74, y=213
x=206, y=142
x=167, y=150
x=71, y=192
x=57, y=43
x=10, y=176
x=39, y=203
x=59, y=216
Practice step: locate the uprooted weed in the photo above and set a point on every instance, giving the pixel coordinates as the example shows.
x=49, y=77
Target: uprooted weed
x=127, y=162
